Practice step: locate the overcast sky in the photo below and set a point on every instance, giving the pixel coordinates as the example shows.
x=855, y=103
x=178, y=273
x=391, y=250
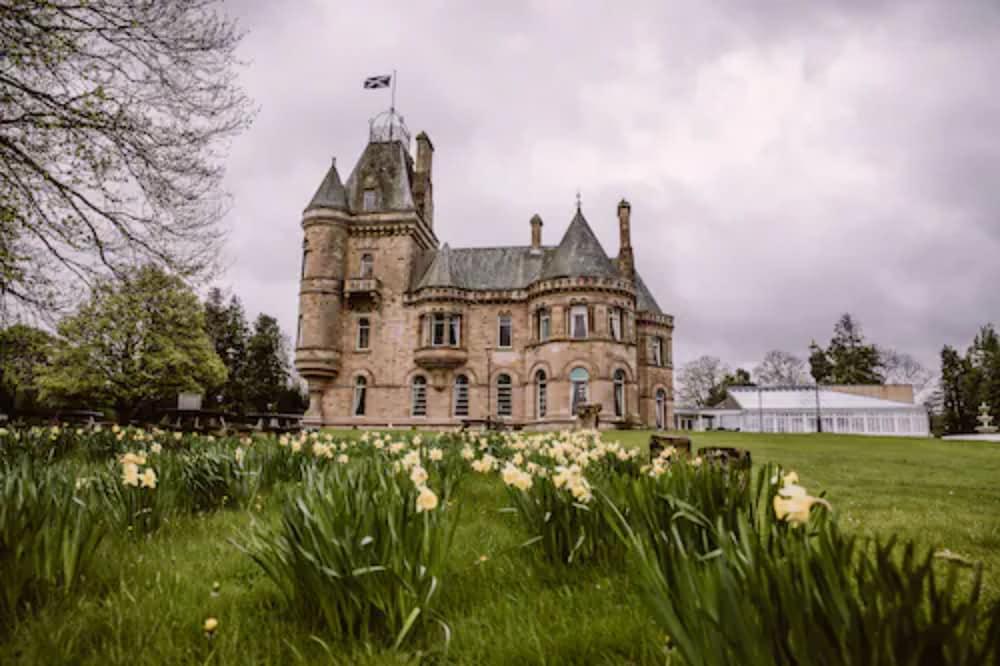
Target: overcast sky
x=786, y=162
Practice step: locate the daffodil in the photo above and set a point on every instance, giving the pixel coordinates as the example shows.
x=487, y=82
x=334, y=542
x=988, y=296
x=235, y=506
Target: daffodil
x=436, y=454
x=343, y=459
x=130, y=474
x=426, y=500
x=148, y=478
x=418, y=475
x=211, y=624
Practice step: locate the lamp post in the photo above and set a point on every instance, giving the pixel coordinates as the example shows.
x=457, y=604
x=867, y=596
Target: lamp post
x=819, y=415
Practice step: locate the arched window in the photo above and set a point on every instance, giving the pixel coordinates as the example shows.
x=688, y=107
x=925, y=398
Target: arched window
x=619, y=379
x=505, y=402
x=360, y=393
x=661, y=409
x=367, y=265
x=418, y=396
x=461, y=396
x=541, y=394
x=579, y=380
x=305, y=257
x=364, y=332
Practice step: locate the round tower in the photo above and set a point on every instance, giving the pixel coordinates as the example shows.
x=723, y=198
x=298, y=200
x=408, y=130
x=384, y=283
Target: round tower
x=317, y=352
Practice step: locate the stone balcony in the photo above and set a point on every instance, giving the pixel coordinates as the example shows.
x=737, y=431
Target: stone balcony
x=366, y=289
x=316, y=362
x=440, y=358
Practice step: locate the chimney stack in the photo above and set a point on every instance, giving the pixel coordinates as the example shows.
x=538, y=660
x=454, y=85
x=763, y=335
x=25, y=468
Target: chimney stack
x=536, y=232
x=626, y=262
x=423, y=189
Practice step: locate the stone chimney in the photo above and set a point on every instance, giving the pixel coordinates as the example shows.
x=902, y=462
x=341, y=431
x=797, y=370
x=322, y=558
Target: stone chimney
x=423, y=189
x=536, y=232
x=626, y=262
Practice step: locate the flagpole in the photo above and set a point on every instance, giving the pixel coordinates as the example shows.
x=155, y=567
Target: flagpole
x=392, y=104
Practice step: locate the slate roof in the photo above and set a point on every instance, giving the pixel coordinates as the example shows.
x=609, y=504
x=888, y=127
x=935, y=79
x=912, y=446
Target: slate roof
x=331, y=193
x=579, y=253
x=439, y=274
x=644, y=297
x=394, y=167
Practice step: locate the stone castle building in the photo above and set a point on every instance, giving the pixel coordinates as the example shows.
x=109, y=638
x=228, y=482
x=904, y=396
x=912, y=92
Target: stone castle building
x=395, y=328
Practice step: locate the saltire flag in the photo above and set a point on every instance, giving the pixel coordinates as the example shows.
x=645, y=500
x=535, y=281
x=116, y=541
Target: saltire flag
x=373, y=82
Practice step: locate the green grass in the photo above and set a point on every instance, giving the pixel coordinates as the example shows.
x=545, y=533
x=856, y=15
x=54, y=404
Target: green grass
x=147, y=600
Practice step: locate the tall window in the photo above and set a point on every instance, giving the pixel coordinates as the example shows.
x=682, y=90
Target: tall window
x=455, y=330
x=367, y=265
x=578, y=321
x=418, y=396
x=541, y=393
x=298, y=333
x=615, y=322
x=544, y=324
x=657, y=343
x=505, y=402
x=439, y=328
x=619, y=380
x=661, y=409
x=461, y=397
x=505, y=332
x=579, y=379
x=369, y=200
x=360, y=390
x=364, y=332
x=305, y=257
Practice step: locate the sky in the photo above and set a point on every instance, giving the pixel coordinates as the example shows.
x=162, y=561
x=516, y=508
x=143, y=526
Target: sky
x=786, y=161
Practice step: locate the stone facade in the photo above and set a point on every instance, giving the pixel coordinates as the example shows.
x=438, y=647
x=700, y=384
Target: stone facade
x=396, y=330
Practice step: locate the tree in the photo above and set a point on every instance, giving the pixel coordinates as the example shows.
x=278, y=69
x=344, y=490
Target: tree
x=902, y=368
x=699, y=380
x=780, y=368
x=226, y=325
x=718, y=392
x=268, y=364
x=114, y=115
x=848, y=359
x=136, y=341
x=955, y=411
x=23, y=349
x=969, y=381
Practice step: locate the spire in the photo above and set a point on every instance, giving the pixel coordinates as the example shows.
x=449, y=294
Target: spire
x=331, y=193
x=579, y=253
x=439, y=274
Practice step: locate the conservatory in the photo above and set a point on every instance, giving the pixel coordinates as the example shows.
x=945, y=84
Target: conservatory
x=800, y=409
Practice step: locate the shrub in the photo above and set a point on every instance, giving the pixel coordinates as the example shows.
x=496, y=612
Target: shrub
x=48, y=534
x=359, y=551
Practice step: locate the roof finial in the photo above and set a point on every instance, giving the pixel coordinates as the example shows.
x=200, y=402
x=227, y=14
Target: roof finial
x=578, y=203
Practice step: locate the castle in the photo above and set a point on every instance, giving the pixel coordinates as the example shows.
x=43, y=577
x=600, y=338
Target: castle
x=395, y=329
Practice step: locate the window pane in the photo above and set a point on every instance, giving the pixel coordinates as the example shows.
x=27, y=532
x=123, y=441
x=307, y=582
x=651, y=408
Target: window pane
x=419, y=396
x=455, y=331
x=619, y=378
x=541, y=386
x=578, y=321
x=615, y=323
x=504, y=396
x=461, y=396
x=505, y=331
x=370, y=201
x=367, y=265
x=363, y=330
x=543, y=325
x=437, y=329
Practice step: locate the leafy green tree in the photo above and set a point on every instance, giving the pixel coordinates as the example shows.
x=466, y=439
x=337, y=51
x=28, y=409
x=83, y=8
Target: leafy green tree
x=115, y=116
x=848, y=359
x=23, y=349
x=970, y=380
x=268, y=364
x=226, y=325
x=957, y=414
x=136, y=341
x=718, y=392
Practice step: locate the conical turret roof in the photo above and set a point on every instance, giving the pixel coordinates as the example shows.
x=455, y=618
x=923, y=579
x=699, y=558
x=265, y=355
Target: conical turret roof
x=439, y=274
x=331, y=192
x=579, y=253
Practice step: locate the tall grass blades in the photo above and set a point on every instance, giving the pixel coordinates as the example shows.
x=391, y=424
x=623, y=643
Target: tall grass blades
x=358, y=550
x=48, y=535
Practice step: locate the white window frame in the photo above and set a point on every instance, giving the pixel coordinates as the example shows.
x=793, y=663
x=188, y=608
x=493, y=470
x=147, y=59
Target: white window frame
x=418, y=396
x=365, y=325
x=575, y=313
x=544, y=324
x=439, y=319
x=578, y=387
x=367, y=265
x=360, y=396
x=460, y=396
x=615, y=322
x=455, y=330
x=505, y=395
x=658, y=350
x=661, y=409
x=502, y=321
x=618, y=396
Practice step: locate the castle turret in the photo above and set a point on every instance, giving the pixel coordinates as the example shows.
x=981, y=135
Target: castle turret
x=324, y=224
x=423, y=185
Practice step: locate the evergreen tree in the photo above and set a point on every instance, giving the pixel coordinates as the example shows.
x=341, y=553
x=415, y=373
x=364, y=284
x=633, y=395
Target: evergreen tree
x=268, y=364
x=956, y=413
x=226, y=325
x=718, y=392
x=848, y=359
x=135, y=342
x=967, y=382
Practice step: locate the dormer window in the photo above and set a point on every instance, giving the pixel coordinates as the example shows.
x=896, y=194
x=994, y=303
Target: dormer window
x=369, y=199
x=367, y=265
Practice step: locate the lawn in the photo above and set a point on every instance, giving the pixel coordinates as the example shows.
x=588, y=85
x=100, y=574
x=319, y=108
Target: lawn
x=147, y=600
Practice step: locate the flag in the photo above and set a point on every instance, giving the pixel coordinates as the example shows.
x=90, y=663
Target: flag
x=373, y=82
